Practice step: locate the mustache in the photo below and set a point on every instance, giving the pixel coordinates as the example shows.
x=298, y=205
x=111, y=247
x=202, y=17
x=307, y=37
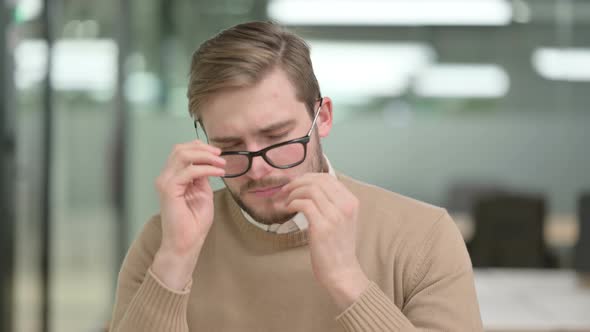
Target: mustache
x=269, y=182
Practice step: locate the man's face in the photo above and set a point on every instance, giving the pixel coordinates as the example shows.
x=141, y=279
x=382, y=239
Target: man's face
x=250, y=119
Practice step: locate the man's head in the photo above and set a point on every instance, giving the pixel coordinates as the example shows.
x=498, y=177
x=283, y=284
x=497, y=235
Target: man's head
x=253, y=86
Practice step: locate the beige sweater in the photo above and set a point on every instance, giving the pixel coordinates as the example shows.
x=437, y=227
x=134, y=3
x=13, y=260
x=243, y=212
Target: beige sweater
x=247, y=279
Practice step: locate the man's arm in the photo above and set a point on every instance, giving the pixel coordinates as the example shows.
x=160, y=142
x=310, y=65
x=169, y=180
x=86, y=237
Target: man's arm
x=442, y=292
x=143, y=302
x=154, y=282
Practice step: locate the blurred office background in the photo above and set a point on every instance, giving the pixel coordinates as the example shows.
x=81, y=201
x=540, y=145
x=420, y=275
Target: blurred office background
x=479, y=106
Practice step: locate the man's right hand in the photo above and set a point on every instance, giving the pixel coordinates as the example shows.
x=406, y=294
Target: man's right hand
x=186, y=210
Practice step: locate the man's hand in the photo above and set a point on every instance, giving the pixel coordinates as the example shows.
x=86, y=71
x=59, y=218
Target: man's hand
x=186, y=208
x=331, y=211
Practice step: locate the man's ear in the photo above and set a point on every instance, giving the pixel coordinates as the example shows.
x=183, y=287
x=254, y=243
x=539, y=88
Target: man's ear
x=324, y=121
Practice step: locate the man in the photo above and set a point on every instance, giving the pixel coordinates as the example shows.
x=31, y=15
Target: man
x=288, y=245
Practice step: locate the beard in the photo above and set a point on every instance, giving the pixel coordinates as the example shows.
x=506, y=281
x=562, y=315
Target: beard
x=272, y=214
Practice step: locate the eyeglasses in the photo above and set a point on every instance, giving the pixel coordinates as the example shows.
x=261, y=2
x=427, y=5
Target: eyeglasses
x=282, y=155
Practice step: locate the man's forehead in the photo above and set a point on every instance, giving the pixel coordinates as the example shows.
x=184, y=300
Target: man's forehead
x=273, y=88
x=231, y=135
x=244, y=126
x=250, y=117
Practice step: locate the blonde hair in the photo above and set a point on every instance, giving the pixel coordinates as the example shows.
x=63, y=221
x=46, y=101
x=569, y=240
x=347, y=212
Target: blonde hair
x=242, y=55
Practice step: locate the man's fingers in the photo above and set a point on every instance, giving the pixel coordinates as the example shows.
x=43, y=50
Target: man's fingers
x=337, y=195
x=325, y=182
x=327, y=211
x=168, y=183
x=307, y=207
x=182, y=158
x=197, y=144
x=311, y=193
x=194, y=172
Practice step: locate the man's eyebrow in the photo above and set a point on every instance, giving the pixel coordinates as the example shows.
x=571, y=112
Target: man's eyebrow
x=266, y=130
x=277, y=126
x=225, y=139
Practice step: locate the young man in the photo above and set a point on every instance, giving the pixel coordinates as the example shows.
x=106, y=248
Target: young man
x=288, y=245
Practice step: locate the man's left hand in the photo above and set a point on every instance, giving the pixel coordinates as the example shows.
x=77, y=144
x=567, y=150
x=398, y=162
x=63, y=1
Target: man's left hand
x=331, y=210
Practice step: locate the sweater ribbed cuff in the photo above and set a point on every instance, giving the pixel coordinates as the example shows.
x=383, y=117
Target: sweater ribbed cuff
x=156, y=307
x=373, y=312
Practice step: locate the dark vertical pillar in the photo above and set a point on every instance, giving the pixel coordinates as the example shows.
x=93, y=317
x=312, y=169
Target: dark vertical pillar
x=47, y=146
x=7, y=174
x=119, y=180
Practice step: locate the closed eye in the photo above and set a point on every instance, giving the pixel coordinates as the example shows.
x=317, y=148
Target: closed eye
x=278, y=136
x=272, y=139
x=233, y=147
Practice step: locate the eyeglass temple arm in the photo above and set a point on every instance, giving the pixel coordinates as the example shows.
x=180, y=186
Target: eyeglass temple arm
x=316, y=116
x=196, y=128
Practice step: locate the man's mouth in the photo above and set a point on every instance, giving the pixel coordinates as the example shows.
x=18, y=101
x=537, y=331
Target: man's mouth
x=266, y=191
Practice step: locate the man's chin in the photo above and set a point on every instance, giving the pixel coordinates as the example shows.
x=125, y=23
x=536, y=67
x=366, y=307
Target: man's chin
x=274, y=203
x=267, y=211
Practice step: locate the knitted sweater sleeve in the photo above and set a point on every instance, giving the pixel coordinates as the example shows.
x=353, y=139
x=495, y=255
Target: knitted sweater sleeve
x=143, y=303
x=441, y=293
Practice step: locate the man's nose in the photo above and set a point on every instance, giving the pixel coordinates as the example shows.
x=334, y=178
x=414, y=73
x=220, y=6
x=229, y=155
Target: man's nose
x=259, y=169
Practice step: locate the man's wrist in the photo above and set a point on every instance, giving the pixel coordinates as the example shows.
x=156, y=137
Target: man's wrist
x=348, y=288
x=173, y=270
